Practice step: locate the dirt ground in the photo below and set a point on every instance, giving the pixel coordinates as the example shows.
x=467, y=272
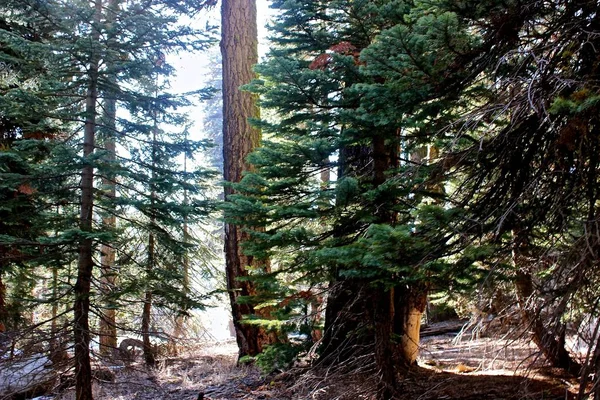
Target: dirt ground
x=466, y=368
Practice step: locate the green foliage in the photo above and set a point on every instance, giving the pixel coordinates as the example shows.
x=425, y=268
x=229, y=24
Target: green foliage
x=350, y=185
x=45, y=53
x=455, y=135
x=275, y=357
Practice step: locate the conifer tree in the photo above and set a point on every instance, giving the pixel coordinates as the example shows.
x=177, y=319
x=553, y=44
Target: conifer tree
x=213, y=121
x=108, y=324
x=29, y=139
x=239, y=47
x=381, y=233
x=101, y=59
x=527, y=181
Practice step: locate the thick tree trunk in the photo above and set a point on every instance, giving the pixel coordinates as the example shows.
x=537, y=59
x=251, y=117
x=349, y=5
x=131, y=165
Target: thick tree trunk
x=251, y=339
x=239, y=47
x=81, y=328
x=409, y=306
x=354, y=305
x=383, y=298
x=546, y=340
x=346, y=317
x=383, y=315
x=552, y=348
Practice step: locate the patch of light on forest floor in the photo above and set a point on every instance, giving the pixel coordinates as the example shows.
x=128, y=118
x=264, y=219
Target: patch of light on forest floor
x=226, y=348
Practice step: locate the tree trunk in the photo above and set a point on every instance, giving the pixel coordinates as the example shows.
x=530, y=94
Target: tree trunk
x=383, y=312
x=178, y=331
x=410, y=301
x=552, y=348
x=108, y=279
x=147, y=312
x=147, y=309
x=81, y=328
x=354, y=305
x=108, y=325
x=317, y=301
x=409, y=306
x=383, y=298
x=58, y=352
x=3, y=311
x=239, y=47
x=346, y=317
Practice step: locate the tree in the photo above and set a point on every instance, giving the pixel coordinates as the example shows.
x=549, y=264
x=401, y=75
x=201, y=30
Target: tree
x=108, y=130
x=25, y=140
x=366, y=98
x=239, y=47
x=213, y=121
x=506, y=102
x=528, y=183
x=90, y=68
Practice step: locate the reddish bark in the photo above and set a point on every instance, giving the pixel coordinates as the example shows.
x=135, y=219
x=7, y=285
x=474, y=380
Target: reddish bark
x=239, y=47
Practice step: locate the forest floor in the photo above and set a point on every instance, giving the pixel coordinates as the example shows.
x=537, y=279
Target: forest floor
x=451, y=367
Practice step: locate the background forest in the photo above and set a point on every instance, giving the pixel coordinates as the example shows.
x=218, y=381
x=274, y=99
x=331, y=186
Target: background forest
x=387, y=162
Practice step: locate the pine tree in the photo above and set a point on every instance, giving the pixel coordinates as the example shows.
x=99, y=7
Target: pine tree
x=91, y=68
x=28, y=140
x=506, y=123
x=108, y=324
x=382, y=232
x=213, y=121
x=527, y=182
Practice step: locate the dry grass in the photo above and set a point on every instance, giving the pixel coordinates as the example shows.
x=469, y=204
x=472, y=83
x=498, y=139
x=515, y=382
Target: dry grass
x=478, y=368
x=468, y=369
x=183, y=377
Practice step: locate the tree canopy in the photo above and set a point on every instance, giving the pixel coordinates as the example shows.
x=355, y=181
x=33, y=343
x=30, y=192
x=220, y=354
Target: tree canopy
x=406, y=153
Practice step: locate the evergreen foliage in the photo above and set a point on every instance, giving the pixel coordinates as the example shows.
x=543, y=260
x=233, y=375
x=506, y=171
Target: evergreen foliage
x=410, y=148
x=54, y=57
x=330, y=108
x=460, y=138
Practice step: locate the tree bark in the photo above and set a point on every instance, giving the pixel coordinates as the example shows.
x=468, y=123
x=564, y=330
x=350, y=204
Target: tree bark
x=239, y=47
x=383, y=313
x=108, y=279
x=409, y=306
x=147, y=309
x=346, y=316
x=58, y=353
x=81, y=328
x=383, y=298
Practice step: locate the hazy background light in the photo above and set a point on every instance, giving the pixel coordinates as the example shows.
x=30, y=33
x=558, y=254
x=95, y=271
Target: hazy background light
x=192, y=72
x=192, y=67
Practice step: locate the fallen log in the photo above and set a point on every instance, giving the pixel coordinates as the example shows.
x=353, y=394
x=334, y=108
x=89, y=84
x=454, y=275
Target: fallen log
x=441, y=328
x=27, y=377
